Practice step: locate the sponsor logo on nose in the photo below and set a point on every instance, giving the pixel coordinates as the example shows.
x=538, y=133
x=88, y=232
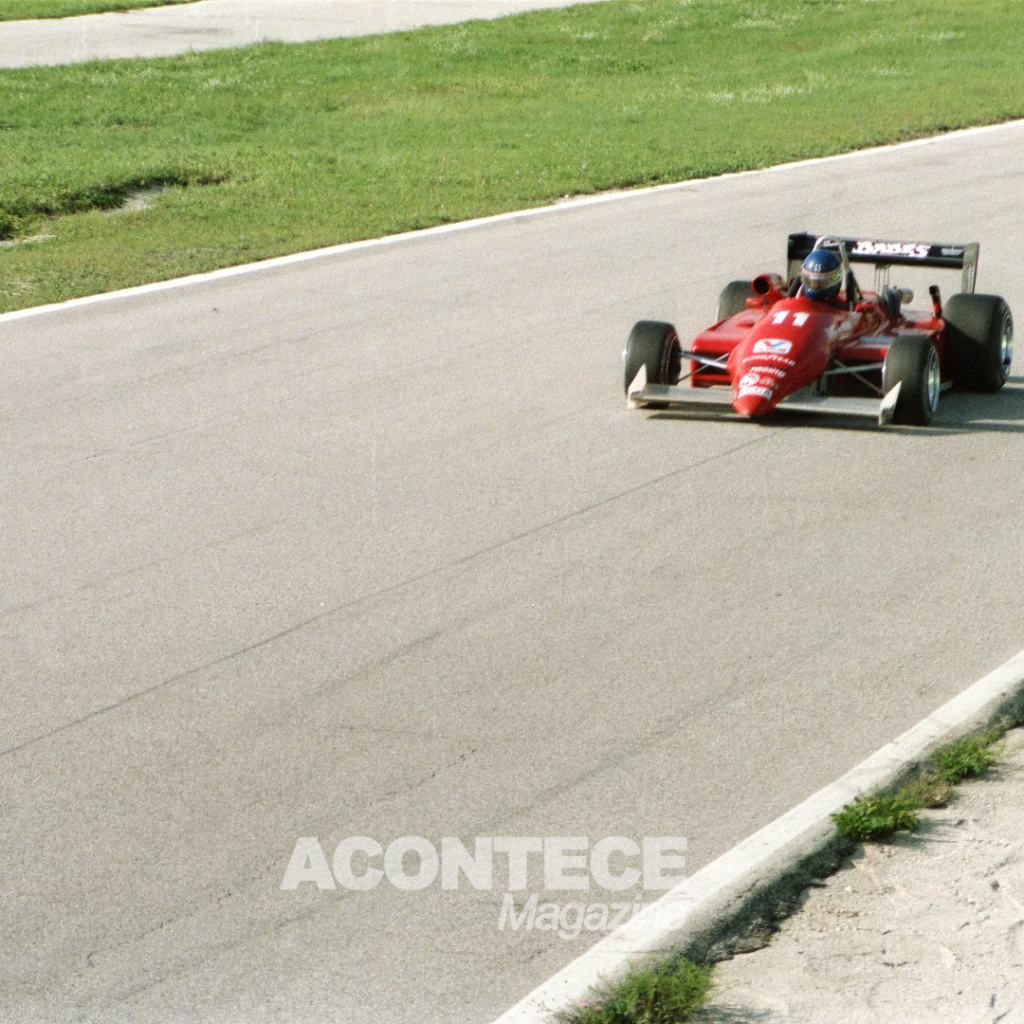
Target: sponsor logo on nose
x=778, y=346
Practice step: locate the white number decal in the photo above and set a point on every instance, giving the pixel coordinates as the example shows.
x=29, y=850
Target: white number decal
x=780, y=317
x=799, y=319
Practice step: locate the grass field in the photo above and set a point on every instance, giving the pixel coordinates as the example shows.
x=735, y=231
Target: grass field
x=23, y=10
x=275, y=149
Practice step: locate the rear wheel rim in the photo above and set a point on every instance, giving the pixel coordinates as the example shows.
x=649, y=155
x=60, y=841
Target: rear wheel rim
x=933, y=375
x=1006, y=344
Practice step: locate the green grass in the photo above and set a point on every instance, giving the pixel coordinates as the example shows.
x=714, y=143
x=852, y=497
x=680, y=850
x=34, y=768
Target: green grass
x=966, y=757
x=877, y=817
x=883, y=814
x=23, y=10
x=664, y=994
x=275, y=149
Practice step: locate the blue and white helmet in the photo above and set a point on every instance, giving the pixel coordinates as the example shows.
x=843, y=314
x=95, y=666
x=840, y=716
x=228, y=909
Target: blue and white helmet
x=822, y=274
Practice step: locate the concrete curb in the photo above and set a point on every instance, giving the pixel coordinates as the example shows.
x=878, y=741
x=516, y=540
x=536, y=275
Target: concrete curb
x=792, y=849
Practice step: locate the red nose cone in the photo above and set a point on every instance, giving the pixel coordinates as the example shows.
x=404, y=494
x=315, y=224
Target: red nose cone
x=752, y=405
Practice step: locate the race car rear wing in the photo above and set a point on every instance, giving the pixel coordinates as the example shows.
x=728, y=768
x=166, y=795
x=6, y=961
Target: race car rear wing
x=948, y=256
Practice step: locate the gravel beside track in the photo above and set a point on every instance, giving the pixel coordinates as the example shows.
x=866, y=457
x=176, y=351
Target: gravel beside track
x=925, y=927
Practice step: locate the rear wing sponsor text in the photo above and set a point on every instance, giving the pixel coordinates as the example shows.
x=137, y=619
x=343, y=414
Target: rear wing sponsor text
x=944, y=255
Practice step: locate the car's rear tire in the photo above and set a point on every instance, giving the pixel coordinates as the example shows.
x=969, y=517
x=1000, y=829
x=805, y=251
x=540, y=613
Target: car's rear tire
x=979, y=341
x=913, y=363
x=734, y=297
x=655, y=346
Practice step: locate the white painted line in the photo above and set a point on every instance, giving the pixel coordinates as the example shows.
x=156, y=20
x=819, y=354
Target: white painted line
x=465, y=225
x=722, y=887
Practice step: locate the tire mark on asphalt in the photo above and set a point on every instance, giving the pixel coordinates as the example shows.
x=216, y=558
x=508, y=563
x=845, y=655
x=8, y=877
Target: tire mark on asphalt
x=133, y=570
x=764, y=436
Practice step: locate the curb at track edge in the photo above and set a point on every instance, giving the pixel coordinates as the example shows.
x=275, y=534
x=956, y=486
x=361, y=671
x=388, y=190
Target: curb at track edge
x=751, y=885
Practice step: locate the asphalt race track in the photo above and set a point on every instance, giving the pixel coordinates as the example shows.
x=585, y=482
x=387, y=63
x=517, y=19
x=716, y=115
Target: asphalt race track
x=370, y=546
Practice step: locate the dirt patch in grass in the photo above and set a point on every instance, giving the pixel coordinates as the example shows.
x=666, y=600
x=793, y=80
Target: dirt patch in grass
x=22, y=206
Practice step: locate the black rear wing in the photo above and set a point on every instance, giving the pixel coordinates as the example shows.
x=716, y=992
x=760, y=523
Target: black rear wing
x=948, y=256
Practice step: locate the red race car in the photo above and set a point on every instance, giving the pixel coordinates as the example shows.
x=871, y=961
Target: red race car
x=815, y=343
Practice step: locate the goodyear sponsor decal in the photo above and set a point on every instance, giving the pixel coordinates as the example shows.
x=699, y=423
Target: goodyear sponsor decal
x=768, y=357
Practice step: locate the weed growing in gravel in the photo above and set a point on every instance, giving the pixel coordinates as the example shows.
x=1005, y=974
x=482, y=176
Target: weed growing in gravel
x=966, y=757
x=927, y=791
x=876, y=817
x=881, y=815
x=663, y=994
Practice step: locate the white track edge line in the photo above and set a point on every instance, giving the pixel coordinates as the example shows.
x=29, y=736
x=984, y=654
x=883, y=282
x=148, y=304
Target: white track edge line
x=724, y=885
x=465, y=225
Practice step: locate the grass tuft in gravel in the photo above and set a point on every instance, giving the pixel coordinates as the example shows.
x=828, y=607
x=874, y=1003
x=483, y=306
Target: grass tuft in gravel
x=664, y=994
x=967, y=757
x=927, y=790
x=883, y=814
x=877, y=817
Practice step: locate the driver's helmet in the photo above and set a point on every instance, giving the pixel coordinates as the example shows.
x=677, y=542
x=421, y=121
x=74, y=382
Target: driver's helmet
x=822, y=274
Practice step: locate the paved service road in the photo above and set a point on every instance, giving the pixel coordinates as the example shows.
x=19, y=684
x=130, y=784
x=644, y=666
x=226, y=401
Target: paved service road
x=370, y=546
x=216, y=24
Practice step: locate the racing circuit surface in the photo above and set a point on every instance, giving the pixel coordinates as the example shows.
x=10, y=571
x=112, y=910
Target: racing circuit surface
x=370, y=546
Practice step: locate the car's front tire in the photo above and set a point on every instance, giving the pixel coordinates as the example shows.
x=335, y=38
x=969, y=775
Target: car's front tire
x=655, y=346
x=979, y=341
x=913, y=363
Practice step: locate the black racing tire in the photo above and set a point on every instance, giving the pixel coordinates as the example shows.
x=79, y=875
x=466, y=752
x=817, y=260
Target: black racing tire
x=656, y=346
x=913, y=363
x=979, y=341
x=734, y=297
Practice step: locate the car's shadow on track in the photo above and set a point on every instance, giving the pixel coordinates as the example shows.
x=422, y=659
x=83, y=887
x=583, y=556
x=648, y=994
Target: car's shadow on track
x=966, y=412
x=960, y=412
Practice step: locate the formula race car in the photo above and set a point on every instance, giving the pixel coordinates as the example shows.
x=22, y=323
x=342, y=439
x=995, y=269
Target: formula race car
x=813, y=342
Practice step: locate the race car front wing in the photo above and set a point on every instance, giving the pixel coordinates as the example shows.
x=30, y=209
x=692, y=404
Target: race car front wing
x=687, y=399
